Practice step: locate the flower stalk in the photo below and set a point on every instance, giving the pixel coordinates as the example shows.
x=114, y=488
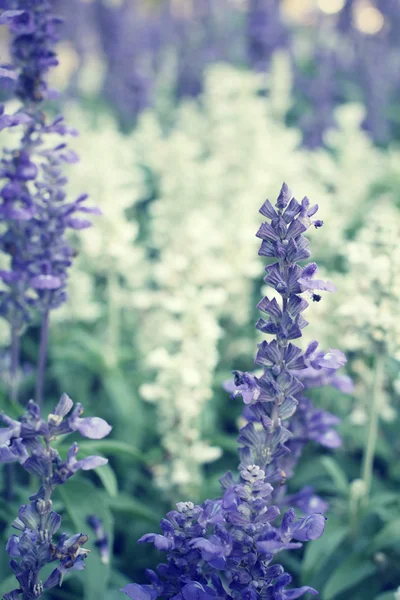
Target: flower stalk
x=41, y=369
x=372, y=436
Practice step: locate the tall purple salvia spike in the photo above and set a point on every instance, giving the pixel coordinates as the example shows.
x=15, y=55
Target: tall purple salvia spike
x=33, y=205
x=36, y=216
x=224, y=549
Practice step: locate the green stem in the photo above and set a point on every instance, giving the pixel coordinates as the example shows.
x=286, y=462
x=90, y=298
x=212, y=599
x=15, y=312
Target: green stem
x=15, y=354
x=370, y=444
x=113, y=320
x=44, y=339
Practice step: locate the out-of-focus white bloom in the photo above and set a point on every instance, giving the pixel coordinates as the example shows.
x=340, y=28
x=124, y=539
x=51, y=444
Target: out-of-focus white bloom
x=348, y=187
x=82, y=304
x=108, y=175
x=364, y=311
x=108, y=250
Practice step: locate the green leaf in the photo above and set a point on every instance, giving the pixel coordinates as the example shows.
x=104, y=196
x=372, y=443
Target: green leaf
x=107, y=447
x=225, y=442
x=321, y=550
x=336, y=472
x=386, y=595
x=8, y=584
x=130, y=506
x=351, y=571
x=113, y=447
x=387, y=536
x=81, y=499
x=108, y=478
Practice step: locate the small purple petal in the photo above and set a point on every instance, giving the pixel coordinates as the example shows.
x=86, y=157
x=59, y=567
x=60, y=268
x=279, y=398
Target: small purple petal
x=92, y=427
x=90, y=462
x=45, y=282
x=8, y=73
x=309, y=528
x=78, y=223
x=317, y=284
x=53, y=579
x=296, y=593
x=64, y=405
x=333, y=359
x=12, y=546
x=6, y=456
x=330, y=439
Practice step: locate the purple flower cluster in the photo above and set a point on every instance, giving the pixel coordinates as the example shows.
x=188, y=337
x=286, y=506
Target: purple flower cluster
x=28, y=442
x=34, y=209
x=266, y=32
x=225, y=548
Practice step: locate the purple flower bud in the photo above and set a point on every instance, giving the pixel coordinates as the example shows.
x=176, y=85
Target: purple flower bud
x=285, y=195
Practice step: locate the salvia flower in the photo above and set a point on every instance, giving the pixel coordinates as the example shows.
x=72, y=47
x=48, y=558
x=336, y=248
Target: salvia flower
x=28, y=441
x=33, y=201
x=226, y=548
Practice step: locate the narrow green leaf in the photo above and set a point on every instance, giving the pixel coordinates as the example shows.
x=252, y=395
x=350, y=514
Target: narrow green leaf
x=387, y=536
x=113, y=447
x=336, y=472
x=352, y=571
x=108, y=478
x=8, y=584
x=226, y=443
x=386, y=595
x=130, y=506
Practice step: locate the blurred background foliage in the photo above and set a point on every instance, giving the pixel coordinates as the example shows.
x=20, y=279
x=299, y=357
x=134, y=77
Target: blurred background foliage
x=189, y=112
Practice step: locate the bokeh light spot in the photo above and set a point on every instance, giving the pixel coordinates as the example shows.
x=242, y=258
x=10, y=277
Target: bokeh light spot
x=331, y=7
x=368, y=19
x=298, y=10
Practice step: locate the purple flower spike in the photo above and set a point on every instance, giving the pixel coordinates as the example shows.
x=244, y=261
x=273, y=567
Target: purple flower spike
x=223, y=548
x=37, y=162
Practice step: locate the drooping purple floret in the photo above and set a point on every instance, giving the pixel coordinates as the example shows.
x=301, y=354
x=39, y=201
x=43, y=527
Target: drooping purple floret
x=225, y=548
x=102, y=542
